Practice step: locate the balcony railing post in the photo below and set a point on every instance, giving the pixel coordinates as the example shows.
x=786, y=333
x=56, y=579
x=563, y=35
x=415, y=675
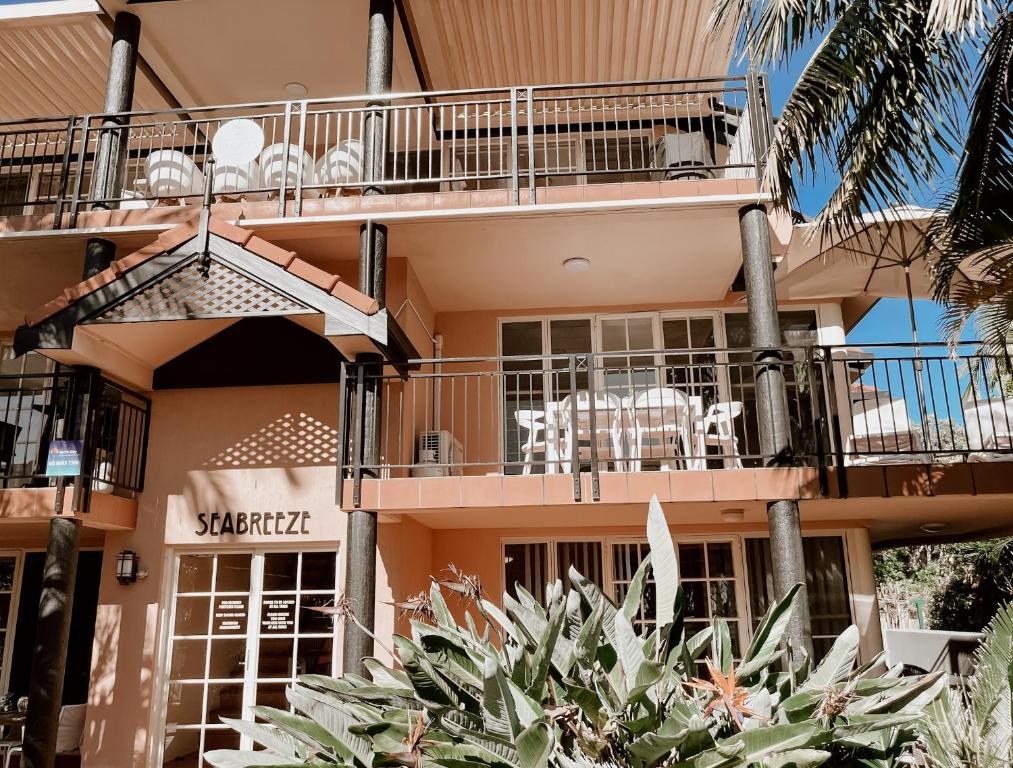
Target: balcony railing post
x=61, y=192
x=833, y=394
x=82, y=154
x=514, y=148
x=574, y=447
x=301, y=107
x=286, y=136
x=341, y=452
x=529, y=92
x=88, y=391
x=357, y=436
x=593, y=427
x=757, y=109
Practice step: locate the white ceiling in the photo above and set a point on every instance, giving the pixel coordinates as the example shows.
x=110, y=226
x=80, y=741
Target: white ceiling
x=55, y=64
x=638, y=256
x=467, y=44
x=238, y=51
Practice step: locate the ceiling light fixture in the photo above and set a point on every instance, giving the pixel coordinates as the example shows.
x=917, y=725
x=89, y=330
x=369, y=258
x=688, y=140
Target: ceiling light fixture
x=733, y=515
x=577, y=264
x=295, y=90
x=934, y=527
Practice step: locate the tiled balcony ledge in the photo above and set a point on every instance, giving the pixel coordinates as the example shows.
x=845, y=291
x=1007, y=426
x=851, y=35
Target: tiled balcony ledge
x=418, y=203
x=406, y=494
x=107, y=512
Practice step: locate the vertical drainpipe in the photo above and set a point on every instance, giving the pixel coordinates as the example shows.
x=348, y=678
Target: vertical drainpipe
x=783, y=521
x=360, y=553
x=111, y=154
x=56, y=605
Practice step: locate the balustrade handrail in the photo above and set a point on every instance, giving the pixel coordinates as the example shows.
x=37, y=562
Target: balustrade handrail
x=877, y=403
x=37, y=408
x=509, y=138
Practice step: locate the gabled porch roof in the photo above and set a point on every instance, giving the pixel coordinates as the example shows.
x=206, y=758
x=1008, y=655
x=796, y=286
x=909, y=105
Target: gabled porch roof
x=186, y=286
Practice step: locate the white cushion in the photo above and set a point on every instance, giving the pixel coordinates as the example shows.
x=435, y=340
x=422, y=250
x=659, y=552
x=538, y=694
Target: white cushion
x=70, y=729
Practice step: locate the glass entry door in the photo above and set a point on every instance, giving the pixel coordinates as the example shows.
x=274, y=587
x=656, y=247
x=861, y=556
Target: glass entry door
x=242, y=628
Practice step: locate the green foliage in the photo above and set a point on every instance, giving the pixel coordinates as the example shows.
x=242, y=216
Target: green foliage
x=571, y=684
x=975, y=588
x=964, y=584
x=975, y=729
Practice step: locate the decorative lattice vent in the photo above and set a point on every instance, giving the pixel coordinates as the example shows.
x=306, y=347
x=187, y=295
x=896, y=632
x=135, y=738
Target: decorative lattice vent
x=186, y=294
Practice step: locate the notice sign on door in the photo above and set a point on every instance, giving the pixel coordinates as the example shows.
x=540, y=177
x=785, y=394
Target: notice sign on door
x=64, y=458
x=278, y=614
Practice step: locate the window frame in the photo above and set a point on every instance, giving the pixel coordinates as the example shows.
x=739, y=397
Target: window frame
x=836, y=533
x=743, y=621
x=10, y=629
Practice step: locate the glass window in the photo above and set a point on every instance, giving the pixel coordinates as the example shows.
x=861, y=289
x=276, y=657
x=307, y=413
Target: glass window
x=244, y=626
x=527, y=565
x=708, y=578
x=826, y=582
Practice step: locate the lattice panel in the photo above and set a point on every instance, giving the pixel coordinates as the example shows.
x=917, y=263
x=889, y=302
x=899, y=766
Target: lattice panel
x=186, y=294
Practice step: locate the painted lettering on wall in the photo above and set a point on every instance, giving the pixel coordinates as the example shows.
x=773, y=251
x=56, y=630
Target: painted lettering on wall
x=252, y=523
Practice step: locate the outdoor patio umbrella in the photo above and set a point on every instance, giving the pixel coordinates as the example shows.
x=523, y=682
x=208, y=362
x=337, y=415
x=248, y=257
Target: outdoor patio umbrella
x=885, y=257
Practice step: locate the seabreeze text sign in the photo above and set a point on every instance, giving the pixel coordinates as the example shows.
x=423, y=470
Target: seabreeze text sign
x=64, y=458
x=252, y=523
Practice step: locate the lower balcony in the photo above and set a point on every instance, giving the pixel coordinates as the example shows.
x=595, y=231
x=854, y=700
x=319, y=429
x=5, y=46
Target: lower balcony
x=71, y=442
x=682, y=423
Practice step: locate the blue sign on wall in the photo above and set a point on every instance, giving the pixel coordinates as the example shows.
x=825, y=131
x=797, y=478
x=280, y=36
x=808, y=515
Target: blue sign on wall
x=64, y=458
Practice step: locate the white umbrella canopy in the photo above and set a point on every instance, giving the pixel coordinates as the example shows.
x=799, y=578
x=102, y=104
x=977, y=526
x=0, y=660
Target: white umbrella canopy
x=885, y=257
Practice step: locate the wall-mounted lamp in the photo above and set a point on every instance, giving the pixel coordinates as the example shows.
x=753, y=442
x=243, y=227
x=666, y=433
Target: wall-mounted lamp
x=126, y=567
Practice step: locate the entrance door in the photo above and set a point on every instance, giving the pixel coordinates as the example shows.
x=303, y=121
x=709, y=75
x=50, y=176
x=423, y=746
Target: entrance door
x=242, y=628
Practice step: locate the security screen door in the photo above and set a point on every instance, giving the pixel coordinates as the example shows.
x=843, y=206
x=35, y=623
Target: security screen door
x=242, y=628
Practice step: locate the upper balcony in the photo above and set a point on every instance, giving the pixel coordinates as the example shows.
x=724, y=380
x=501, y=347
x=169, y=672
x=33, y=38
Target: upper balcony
x=582, y=145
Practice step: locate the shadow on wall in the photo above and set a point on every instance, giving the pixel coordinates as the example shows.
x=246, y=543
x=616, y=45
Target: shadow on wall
x=291, y=440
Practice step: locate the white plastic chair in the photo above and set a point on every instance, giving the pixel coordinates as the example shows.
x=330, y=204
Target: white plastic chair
x=660, y=413
x=236, y=180
x=281, y=161
x=534, y=442
x=720, y=418
x=340, y=165
x=607, y=424
x=171, y=174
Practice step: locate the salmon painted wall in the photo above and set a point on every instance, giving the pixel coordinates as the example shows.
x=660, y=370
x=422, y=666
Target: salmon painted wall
x=215, y=450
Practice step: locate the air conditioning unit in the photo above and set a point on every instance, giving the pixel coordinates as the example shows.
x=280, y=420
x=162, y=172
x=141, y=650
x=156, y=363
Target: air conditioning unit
x=436, y=448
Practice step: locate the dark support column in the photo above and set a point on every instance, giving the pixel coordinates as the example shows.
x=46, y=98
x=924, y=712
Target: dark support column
x=111, y=154
x=772, y=412
x=52, y=635
x=360, y=557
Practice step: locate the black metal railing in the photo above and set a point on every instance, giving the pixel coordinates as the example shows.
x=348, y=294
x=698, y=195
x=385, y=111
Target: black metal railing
x=679, y=409
x=568, y=414
x=922, y=402
x=517, y=139
x=72, y=427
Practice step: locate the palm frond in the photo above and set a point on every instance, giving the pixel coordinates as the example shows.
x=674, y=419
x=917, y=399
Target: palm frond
x=992, y=690
x=959, y=17
x=878, y=98
x=976, y=237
